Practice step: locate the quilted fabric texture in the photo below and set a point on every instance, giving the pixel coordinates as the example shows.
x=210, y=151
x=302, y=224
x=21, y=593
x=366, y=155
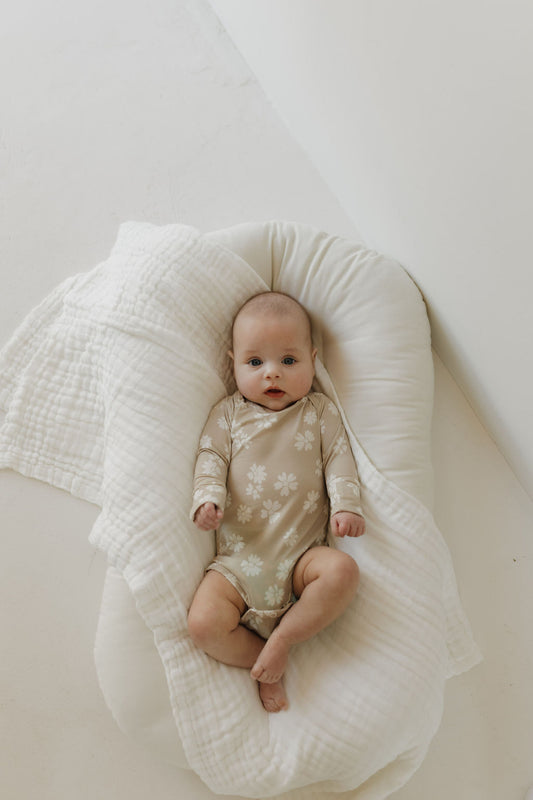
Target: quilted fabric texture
x=106, y=387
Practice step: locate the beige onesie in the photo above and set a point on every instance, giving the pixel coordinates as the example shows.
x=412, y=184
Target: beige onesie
x=272, y=473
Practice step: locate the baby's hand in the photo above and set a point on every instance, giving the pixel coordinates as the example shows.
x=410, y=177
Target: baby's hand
x=345, y=523
x=208, y=517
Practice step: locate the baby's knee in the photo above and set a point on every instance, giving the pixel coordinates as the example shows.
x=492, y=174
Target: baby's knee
x=344, y=573
x=202, y=626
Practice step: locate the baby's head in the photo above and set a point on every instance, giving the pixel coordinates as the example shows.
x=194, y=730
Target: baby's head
x=273, y=355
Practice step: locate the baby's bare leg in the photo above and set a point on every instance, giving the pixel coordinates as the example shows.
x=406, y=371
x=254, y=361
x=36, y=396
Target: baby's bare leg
x=214, y=619
x=214, y=626
x=325, y=581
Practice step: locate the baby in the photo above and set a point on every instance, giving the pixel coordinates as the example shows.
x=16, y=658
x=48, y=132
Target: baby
x=270, y=456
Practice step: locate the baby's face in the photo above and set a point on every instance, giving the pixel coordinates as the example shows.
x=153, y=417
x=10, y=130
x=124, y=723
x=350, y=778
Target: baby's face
x=274, y=363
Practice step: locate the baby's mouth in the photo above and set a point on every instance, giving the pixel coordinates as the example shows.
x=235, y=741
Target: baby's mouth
x=274, y=392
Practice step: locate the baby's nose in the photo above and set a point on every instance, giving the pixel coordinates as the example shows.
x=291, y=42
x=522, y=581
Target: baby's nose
x=272, y=369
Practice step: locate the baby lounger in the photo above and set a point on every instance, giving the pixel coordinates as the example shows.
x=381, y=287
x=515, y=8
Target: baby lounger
x=120, y=367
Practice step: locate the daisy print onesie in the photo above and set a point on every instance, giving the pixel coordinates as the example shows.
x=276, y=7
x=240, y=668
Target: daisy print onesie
x=278, y=476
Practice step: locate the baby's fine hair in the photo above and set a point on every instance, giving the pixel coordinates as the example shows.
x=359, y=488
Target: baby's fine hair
x=277, y=303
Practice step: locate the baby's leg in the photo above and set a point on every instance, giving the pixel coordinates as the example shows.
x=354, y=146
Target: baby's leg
x=325, y=581
x=214, y=626
x=214, y=619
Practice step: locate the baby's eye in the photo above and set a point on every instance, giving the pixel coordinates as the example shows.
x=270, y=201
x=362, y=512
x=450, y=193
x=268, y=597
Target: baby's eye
x=288, y=360
x=254, y=362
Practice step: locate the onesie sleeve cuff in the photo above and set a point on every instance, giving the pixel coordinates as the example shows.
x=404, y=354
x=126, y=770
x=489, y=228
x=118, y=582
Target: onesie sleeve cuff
x=344, y=495
x=208, y=494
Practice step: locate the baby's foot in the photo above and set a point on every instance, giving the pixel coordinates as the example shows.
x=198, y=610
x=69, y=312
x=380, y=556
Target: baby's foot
x=273, y=696
x=272, y=660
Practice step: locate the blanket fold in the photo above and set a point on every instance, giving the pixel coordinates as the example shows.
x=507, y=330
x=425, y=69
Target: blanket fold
x=106, y=387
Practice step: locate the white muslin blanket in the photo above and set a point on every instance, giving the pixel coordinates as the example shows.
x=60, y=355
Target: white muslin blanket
x=106, y=387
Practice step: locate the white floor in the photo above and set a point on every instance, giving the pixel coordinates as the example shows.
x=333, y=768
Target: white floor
x=484, y=748
x=121, y=114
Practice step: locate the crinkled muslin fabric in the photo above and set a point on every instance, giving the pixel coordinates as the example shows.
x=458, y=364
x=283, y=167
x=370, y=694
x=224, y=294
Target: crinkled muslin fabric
x=106, y=387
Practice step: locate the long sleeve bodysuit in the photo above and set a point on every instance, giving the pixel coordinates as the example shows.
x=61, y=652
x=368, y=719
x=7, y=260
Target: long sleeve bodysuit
x=278, y=475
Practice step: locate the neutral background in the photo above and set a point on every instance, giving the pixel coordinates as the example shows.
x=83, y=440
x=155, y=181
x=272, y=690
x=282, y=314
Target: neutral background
x=418, y=115
x=118, y=111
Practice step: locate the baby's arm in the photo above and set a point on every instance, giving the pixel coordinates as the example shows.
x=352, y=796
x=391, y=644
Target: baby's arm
x=208, y=517
x=346, y=523
x=341, y=477
x=210, y=472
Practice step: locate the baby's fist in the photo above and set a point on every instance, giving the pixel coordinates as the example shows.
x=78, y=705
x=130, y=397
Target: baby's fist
x=345, y=523
x=208, y=517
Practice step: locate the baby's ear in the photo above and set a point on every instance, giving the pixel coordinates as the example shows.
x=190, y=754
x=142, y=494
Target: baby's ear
x=230, y=354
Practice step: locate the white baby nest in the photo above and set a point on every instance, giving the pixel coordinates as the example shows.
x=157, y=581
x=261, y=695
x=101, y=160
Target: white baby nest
x=366, y=694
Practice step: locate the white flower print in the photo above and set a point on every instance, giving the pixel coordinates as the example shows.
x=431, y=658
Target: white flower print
x=310, y=417
x=333, y=492
x=303, y=440
x=311, y=502
x=273, y=595
x=284, y=567
x=264, y=421
x=234, y=542
x=253, y=565
x=206, y=442
x=240, y=440
x=271, y=510
x=333, y=408
x=290, y=537
x=318, y=467
x=254, y=491
x=244, y=513
x=341, y=445
x=211, y=465
x=286, y=483
x=221, y=422
x=257, y=473
x=229, y=499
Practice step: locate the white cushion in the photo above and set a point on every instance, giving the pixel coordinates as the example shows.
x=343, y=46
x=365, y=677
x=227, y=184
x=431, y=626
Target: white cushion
x=371, y=329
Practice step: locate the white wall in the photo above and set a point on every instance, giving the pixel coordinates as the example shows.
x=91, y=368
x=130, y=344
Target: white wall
x=419, y=116
x=123, y=110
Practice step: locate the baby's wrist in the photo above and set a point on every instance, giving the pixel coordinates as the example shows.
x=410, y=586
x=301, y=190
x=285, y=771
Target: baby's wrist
x=351, y=513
